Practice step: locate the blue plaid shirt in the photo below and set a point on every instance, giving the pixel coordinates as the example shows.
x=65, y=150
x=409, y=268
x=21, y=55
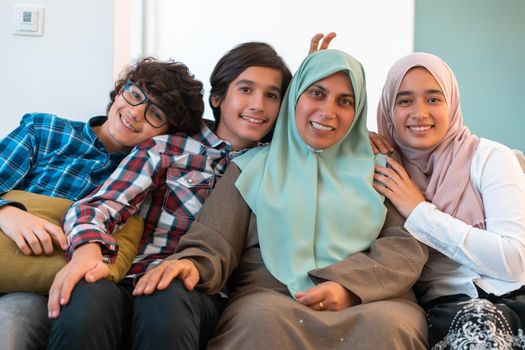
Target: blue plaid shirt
x=55, y=157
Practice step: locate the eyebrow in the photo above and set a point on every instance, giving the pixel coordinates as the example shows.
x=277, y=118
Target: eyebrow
x=251, y=83
x=429, y=91
x=320, y=87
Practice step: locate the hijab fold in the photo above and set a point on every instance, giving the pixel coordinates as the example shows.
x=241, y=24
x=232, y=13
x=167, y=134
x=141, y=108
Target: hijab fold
x=313, y=207
x=442, y=173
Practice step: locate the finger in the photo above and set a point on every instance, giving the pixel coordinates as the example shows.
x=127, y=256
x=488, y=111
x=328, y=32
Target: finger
x=69, y=283
x=318, y=304
x=311, y=297
x=389, y=173
x=173, y=270
x=22, y=244
x=53, y=301
x=383, y=148
x=44, y=239
x=314, y=43
x=169, y=275
x=382, y=189
x=141, y=284
x=387, y=181
x=327, y=40
x=374, y=148
x=383, y=144
x=57, y=235
x=100, y=271
x=33, y=242
x=374, y=141
x=399, y=169
x=152, y=279
x=191, y=280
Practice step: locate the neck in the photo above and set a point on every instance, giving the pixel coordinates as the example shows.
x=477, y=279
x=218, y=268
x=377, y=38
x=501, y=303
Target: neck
x=109, y=145
x=237, y=142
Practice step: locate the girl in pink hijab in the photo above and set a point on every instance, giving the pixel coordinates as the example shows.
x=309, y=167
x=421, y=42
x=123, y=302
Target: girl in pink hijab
x=464, y=197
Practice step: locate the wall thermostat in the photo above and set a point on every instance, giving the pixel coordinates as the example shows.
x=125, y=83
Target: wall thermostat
x=29, y=20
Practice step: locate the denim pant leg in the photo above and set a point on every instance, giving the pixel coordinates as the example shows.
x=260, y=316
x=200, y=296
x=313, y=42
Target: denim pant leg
x=23, y=321
x=97, y=317
x=175, y=319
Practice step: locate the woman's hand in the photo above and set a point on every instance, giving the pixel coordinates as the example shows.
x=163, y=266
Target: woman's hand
x=379, y=143
x=160, y=277
x=328, y=296
x=395, y=184
x=316, y=39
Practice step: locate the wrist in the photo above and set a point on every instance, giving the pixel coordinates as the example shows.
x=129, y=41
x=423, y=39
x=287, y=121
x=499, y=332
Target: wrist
x=88, y=251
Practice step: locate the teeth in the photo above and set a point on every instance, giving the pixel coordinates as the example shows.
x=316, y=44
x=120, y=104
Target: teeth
x=321, y=126
x=252, y=120
x=420, y=128
x=128, y=125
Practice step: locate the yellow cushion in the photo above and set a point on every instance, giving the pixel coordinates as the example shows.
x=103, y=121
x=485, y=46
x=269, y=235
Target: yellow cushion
x=31, y=273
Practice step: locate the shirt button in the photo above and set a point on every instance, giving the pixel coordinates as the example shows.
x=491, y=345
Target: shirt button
x=190, y=181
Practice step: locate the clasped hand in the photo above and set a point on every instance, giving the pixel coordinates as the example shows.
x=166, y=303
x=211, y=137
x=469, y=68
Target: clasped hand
x=327, y=296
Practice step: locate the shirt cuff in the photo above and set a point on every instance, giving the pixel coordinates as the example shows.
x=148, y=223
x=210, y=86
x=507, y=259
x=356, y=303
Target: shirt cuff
x=434, y=228
x=4, y=202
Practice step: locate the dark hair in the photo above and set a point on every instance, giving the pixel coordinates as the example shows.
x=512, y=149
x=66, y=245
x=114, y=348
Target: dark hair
x=174, y=88
x=236, y=61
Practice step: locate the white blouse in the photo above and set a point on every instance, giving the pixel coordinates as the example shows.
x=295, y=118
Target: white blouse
x=464, y=256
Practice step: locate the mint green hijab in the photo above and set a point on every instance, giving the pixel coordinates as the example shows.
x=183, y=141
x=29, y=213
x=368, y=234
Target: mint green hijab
x=313, y=208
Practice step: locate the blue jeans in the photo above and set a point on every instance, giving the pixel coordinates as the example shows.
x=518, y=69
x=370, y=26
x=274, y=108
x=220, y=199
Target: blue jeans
x=23, y=321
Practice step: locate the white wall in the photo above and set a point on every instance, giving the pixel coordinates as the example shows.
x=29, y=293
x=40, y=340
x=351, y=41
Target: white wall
x=198, y=33
x=68, y=71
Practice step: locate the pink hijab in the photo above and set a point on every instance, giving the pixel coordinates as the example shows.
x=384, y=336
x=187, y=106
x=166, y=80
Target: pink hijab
x=443, y=172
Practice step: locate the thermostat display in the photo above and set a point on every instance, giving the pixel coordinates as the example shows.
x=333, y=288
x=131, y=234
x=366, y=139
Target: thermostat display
x=29, y=20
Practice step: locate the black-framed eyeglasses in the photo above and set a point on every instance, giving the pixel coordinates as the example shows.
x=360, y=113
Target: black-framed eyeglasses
x=134, y=95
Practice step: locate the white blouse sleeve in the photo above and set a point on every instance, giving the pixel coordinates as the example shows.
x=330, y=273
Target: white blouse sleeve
x=499, y=250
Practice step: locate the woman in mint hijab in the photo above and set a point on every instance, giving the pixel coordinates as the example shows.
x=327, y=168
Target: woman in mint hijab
x=300, y=230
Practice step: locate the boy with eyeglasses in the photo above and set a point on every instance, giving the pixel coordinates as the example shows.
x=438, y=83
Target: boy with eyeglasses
x=58, y=157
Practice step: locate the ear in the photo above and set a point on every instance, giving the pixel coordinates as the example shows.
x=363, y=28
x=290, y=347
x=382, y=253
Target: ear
x=215, y=101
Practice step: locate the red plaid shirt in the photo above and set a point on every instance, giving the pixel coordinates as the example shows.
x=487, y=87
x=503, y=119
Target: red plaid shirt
x=165, y=180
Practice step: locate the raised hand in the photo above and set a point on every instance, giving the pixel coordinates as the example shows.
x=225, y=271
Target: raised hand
x=316, y=39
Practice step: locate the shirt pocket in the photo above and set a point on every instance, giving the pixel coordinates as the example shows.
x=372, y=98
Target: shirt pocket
x=186, y=192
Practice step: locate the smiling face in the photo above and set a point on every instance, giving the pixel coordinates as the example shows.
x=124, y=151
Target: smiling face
x=250, y=107
x=126, y=127
x=421, y=117
x=325, y=111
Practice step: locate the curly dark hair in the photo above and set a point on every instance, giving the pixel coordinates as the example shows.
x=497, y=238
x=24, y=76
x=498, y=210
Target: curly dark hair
x=236, y=61
x=174, y=88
